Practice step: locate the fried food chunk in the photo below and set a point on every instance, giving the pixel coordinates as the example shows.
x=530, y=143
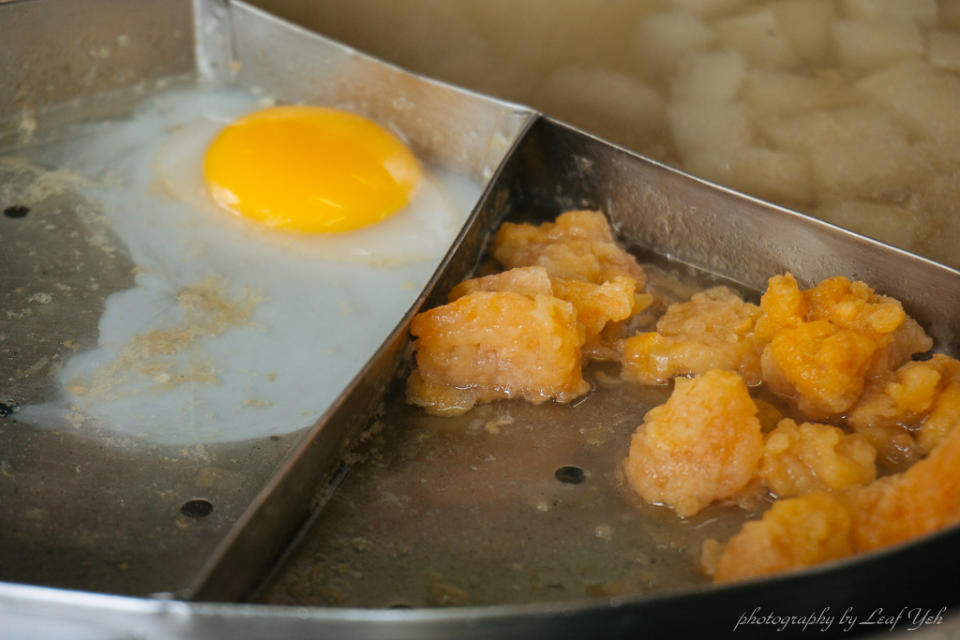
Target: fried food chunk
x=819, y=366
x=579, y=245
x=827, y=341
x=795, y=532
x=922, y=499
x=801, y=459
x=529, y=281
x=714, y=330
x=819, y=526
x=702, y=445
x=600, y=307
x=496, y=345
x=907, y=412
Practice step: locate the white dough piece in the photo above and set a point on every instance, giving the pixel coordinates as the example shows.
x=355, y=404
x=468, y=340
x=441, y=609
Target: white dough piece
x=885, y=222
x=920, y=12
x=786, y=93
x=944, y=50
x=711, y=76
x=662, y=38
x=696, y=126
x=806, y=23
x=859, y=150
x=926, y=100
x=870, y=45
x=710, y=8
x=760, y=38
x=605, y=101
x=780, y=176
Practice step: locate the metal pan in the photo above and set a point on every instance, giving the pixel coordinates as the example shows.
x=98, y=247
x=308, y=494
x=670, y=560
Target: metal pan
x=548, y=168
x=666, y=213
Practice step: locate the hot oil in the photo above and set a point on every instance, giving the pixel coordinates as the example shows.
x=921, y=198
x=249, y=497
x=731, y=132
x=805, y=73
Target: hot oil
x=509, y=503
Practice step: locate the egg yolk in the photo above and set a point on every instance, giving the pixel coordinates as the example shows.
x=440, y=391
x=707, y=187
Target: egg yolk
x=310, y=169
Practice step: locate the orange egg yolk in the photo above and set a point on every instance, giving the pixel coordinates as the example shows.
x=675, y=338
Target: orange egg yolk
x=310, y=169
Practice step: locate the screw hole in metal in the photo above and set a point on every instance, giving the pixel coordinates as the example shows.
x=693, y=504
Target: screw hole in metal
x=196, y=508
x=16, y=211
x=569, y=474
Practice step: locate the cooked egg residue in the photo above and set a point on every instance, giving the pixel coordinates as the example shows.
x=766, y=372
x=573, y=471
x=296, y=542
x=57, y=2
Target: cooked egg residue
x=234, y=329
x=310, y=169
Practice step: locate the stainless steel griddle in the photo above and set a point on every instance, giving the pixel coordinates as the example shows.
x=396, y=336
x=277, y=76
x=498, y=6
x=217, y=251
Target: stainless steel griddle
x=103, y=536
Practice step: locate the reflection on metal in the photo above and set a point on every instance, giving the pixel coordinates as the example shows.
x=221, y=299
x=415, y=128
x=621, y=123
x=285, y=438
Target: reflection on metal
x=81, y=514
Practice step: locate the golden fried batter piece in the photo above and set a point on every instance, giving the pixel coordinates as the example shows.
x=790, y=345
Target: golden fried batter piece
x=442, y=399
x=922, y=499
x=714, y=330
x=907, y=412
x=801, y=459
x=529, y=281
x=497, y=345
x=827, y=341
x=600, y=307
x=702, y=445
x=579, y=245
x=798, y=532
x=793, y=533
x=821, y=367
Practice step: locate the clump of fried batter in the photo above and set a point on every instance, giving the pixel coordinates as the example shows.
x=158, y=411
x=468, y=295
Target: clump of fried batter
x=800, y=459
x=565, y=297
x=817, y=527
x=524, y=333
x=702, y=445
x=827, y=341
x=907, y=412
x=600, y=307
x=529, y=281
x=714, y=330
x=579, y=245
x=793, y=533
x=490, y=345
x=924, y=498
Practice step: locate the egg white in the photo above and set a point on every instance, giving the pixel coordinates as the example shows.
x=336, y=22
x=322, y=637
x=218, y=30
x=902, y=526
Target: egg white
x=308, y=311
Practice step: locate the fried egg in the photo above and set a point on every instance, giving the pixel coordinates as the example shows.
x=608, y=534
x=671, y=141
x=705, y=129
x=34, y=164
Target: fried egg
x=261, y=288
x=310, y=169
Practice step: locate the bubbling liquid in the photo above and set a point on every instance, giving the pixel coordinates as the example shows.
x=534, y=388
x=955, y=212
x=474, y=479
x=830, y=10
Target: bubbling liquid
x=844, y=109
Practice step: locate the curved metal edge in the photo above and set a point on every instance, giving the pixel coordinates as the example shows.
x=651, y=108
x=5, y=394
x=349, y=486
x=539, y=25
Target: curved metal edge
x=909, y=586
x=45, y=612
x=259, y=538
x=266, y=16
x=543, y=144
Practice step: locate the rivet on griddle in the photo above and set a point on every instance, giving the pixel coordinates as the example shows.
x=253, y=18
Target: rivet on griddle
x=196, y=508
x=16, y=211
x=569, y=474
